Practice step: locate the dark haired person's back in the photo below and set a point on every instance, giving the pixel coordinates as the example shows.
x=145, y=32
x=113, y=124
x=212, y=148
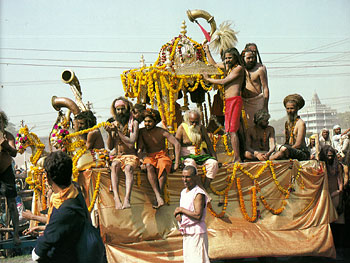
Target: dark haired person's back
x=66, y=216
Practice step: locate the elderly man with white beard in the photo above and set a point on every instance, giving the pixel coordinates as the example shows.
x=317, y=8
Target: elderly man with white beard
x=196, y=147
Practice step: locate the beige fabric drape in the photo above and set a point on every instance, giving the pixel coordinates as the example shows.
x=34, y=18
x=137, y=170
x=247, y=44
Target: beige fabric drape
x=143, y=234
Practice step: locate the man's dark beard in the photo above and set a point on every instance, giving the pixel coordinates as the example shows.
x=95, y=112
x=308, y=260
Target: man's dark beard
x=292, y=116
x=230, y=65
x=330, y=161
x=250, y=65
x=123, y=118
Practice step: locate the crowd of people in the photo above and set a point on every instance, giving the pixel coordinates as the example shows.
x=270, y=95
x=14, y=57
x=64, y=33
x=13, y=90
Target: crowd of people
x=132, y=146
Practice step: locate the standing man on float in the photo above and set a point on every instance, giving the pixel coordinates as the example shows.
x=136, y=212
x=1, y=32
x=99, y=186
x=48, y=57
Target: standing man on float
x=256, y=93
x=233, y=83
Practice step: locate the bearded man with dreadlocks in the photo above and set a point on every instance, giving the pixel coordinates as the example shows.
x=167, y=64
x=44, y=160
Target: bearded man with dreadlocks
x=260, y=139
x=233, y=84
x=295, y=130
x=335, y=173
x=256, y=94
x=86, y=120
x=122, y=136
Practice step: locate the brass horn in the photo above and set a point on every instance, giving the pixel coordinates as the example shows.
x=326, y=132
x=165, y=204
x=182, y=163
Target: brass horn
x=197, y=13
x=70, y=78
x=62, y=102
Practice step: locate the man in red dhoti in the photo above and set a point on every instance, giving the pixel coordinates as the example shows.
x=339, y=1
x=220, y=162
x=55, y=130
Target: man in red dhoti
x=233, y=83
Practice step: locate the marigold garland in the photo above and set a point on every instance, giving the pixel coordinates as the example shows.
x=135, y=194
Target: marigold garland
x=230, y=179
x=262, y=198
x=43, y=192
x=228, y=152
x=256, y=188
x=96, y=191
x=242, y=205
x=88, y=130
x=25, y=139
x=75, y=160
x=223, y=211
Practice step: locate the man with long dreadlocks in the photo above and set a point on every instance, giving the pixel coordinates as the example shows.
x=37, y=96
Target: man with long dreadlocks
x=86, y=120
x=295, y=130
x=233, y=84
x=122, y=136
x=256, y=94
x=260, y=139
x=335, y=174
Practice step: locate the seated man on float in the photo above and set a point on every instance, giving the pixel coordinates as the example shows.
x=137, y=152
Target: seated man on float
x=295, y=130
x=196, y=147
x=86, y=120
x=122, y=136
x=152, y=140
x=260, y=139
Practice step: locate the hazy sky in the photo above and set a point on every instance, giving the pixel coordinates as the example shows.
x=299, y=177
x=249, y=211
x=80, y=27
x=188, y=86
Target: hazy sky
x=305, y=46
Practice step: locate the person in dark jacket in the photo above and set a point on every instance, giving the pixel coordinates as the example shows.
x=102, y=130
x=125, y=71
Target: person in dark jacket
x=66, y=214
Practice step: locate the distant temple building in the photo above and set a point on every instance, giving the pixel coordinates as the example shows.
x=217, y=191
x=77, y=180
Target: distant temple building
x=318, y=116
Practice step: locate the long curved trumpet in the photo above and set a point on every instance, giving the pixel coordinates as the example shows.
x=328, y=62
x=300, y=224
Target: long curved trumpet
x=62, y=102
x=197, y=13
x=70, y=78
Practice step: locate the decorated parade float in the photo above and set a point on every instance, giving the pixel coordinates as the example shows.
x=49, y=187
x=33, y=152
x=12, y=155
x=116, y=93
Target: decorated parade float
x=279, y=208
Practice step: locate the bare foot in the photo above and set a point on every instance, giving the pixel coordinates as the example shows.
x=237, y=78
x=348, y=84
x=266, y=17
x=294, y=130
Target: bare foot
x=118, y=204
x=126, y=204
x=160, y=203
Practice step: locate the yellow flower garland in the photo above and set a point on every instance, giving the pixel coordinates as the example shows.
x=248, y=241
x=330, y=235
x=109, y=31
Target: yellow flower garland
x=75, y=160
x=256, y=188
x=228, y=152
x=262, y=198
x=33, y=140
x=87, y=130
x=96, y=191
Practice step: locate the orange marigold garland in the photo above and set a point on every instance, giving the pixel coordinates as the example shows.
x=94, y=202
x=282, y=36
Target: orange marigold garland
x=43, y=192
x=241, y=202
x=223, y=211
x=266, y=205
x=230, y=180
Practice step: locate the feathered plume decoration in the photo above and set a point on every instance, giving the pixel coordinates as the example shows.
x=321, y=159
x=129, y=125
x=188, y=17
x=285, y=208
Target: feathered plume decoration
x=223, y=38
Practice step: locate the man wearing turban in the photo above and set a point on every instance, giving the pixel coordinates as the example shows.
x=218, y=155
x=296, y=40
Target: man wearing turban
x=295, y=130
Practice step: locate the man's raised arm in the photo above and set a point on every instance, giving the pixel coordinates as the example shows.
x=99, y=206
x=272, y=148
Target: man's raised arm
x=234, y=74
x=210, y=58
